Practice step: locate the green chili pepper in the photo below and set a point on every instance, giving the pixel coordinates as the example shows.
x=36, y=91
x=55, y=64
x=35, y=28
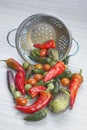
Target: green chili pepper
x=29, y=71
x=45, y=60
x=50, y=87
x=41, y=83
x=41, y=59
x=67, y=73
x=37, y=116
x=57, y=87
x=66, y=60
x=35, y=52
x=38, y=71
x=44, y=83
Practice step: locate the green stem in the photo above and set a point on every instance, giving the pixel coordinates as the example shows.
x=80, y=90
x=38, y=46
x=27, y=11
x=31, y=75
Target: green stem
x=3, y=60
x=80, y=72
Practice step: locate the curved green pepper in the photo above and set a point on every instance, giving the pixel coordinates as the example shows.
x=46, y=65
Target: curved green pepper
x=67, y=73
x=41, y=83
x=41, y=59
x=38, y=71
x=37, y=116
x=29, y=71
x=57, y=87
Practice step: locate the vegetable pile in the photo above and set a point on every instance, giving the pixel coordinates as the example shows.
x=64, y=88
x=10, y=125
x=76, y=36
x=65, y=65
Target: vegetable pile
x=49, y=82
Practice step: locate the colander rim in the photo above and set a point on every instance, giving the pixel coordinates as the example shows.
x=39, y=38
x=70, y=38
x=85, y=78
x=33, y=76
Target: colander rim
x=42, y=14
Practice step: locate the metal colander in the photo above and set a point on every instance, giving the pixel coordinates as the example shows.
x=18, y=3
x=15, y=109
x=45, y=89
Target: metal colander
x=40, y=28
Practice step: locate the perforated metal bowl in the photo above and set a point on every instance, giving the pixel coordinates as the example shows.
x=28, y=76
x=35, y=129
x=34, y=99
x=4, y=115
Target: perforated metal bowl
x=40, y=28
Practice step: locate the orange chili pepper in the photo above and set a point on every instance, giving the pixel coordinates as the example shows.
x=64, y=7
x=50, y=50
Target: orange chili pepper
x=75, y=83
x=12, y=63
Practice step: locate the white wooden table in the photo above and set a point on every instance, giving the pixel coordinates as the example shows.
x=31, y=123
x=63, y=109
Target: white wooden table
x=12, y=13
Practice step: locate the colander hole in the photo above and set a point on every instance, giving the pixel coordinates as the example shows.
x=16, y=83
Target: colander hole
x=35, y=31
x=34, y=35
x=35, y=38
x=51, y=34
x=46, y=33
x=43, y=28
x=49, y=31
x=46, y=28
x=38, y=28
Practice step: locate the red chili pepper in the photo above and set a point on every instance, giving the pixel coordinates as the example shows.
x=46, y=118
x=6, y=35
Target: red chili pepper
x=75, y=83
x=20, y=81
x=12, y=63
x=46, y=45
x=34, y=91
x=41, y=102
x=56, y=70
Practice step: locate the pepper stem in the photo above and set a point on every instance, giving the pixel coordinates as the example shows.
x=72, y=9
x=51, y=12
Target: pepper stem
x=80, y=72
x=3, y=60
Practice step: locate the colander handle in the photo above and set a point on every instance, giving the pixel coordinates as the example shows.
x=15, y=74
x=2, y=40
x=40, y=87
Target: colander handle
x=77, y=49
x=8, y=37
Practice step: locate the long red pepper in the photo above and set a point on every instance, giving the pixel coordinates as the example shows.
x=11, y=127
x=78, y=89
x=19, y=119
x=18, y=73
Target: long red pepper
x=40, y=103
x=75, y=83
x=20, y=82
x=46, y=45
x=12, y=63
x=56, y=70
x=34, y=91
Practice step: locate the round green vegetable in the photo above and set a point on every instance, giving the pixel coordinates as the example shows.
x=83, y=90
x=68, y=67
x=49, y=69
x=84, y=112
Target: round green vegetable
x=28, y=86
x=25, y=65
x=50, y=87
x=17, y=94
x=61, y=102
